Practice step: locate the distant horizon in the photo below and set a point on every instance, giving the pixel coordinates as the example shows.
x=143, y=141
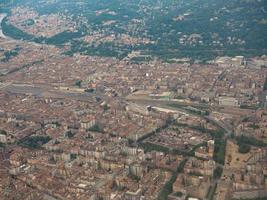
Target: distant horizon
x=133, y=100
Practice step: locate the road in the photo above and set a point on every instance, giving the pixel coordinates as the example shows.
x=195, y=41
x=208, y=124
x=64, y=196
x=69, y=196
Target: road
x=262, y=98
x=166, y=105
x=155, y=102
x=46, y=91
x=228, y=130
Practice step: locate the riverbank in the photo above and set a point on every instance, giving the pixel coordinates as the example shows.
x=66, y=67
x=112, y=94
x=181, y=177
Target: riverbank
x=2, y=16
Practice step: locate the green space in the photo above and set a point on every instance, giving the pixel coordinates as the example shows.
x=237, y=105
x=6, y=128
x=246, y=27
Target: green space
x=243, y=148
x=217, y=172
x=245, y=143
x=96, y=128
x=10, y=54
x=219, y=151
x=250, y=141
x=197, y=29
x=59, y=39
x=3, y=132
x=34, y=142
x=265, y=84
x=167, y=188
x=251, y=107
x=2, y=145
x=148, y=147
x=25, y=66
x=69, y=134
x=219, y=146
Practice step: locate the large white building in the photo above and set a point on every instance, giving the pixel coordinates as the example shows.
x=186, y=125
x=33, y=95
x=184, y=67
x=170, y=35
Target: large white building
x=228, y=101
x=3, y=138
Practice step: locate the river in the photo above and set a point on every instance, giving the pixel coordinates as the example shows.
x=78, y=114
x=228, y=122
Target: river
x=2, y=16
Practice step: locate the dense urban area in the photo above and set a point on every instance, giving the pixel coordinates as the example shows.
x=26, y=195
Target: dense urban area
x=133, y=100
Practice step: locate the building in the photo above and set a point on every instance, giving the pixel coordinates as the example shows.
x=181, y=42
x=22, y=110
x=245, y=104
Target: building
x=205, y=152
x=228, y=101
x=211, y=148
x=136, y=195
x=136, y=170
x=88, y=123
x=3, y=138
